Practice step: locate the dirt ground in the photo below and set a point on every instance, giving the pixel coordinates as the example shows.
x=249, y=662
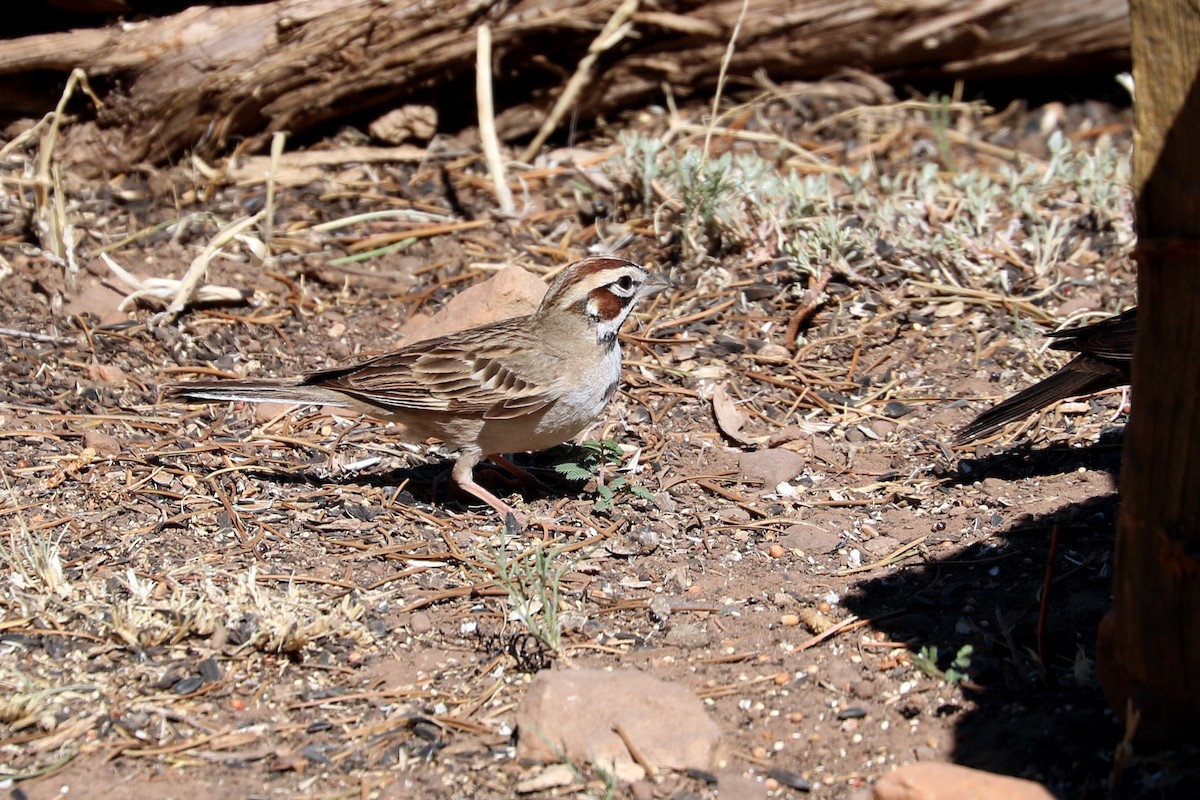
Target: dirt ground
x=229, y=601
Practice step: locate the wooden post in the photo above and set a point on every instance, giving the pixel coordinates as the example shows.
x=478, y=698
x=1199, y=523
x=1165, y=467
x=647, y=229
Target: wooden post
x=1149, y=651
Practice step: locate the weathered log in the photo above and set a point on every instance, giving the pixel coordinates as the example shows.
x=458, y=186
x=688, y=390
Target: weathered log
x=211, y=76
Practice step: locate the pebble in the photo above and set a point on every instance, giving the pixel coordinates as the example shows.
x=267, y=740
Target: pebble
x=883, y=428
x=810, y=539
x=102, y=443
x=688, y=635
x=773, y=466
x=420, y=623
x=951, y=782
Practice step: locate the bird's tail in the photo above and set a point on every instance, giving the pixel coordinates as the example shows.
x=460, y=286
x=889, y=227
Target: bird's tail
x=255, y=391
x=1067, y=382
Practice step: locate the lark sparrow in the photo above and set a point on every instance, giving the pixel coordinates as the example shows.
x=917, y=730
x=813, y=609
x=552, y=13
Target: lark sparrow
x=521, y=384
x=1105, y=361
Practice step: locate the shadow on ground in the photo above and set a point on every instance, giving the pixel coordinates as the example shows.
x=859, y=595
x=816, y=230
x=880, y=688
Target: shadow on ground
x=1033, y=711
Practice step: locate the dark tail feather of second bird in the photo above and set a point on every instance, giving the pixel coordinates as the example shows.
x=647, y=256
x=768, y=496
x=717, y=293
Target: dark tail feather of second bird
x=1104, y=361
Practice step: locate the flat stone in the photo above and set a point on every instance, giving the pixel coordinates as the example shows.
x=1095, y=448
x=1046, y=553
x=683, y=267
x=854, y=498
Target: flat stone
x=773, y=466
x=571, y=715
x=929, y=781
x=102, y=443
x=689, y=635
x=511, y=292
x=811, y=539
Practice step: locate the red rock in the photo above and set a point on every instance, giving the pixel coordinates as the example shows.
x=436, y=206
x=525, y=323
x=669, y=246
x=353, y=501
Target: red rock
x=772, y=467
x=952, y=782
x=102, y=443
x=571, y=715
x=511, y=292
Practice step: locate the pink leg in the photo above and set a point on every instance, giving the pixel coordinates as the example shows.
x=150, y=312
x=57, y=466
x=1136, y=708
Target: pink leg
x=526, y=479
x=463, y=474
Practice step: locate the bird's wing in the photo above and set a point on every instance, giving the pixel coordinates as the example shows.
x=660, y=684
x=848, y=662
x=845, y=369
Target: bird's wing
x=473, y=372
x=1110, y=338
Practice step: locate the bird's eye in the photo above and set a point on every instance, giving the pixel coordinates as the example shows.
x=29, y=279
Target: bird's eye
x=625, y=282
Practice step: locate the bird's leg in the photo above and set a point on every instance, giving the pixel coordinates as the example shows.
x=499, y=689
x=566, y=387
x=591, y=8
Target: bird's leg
x=527, y=479
x=463, y=474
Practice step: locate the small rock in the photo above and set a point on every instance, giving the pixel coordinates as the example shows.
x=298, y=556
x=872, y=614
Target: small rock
x=777, y=551
x=188, y=685
x=569, y=715
x=895, y=409
x=687, y=634
x=511, y=292
x=627, y=771
x=773, y=466
x=864, y=690
x=784, y=600
x=931, y=781
x=210, y=670
x=880, y=545
x=811, y=539
x=102, y=443
x=883, y=428
x=791, y=433
x=684, y=352
x=420, y=623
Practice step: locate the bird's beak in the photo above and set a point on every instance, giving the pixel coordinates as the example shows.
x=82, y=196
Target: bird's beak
x=657, y=283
